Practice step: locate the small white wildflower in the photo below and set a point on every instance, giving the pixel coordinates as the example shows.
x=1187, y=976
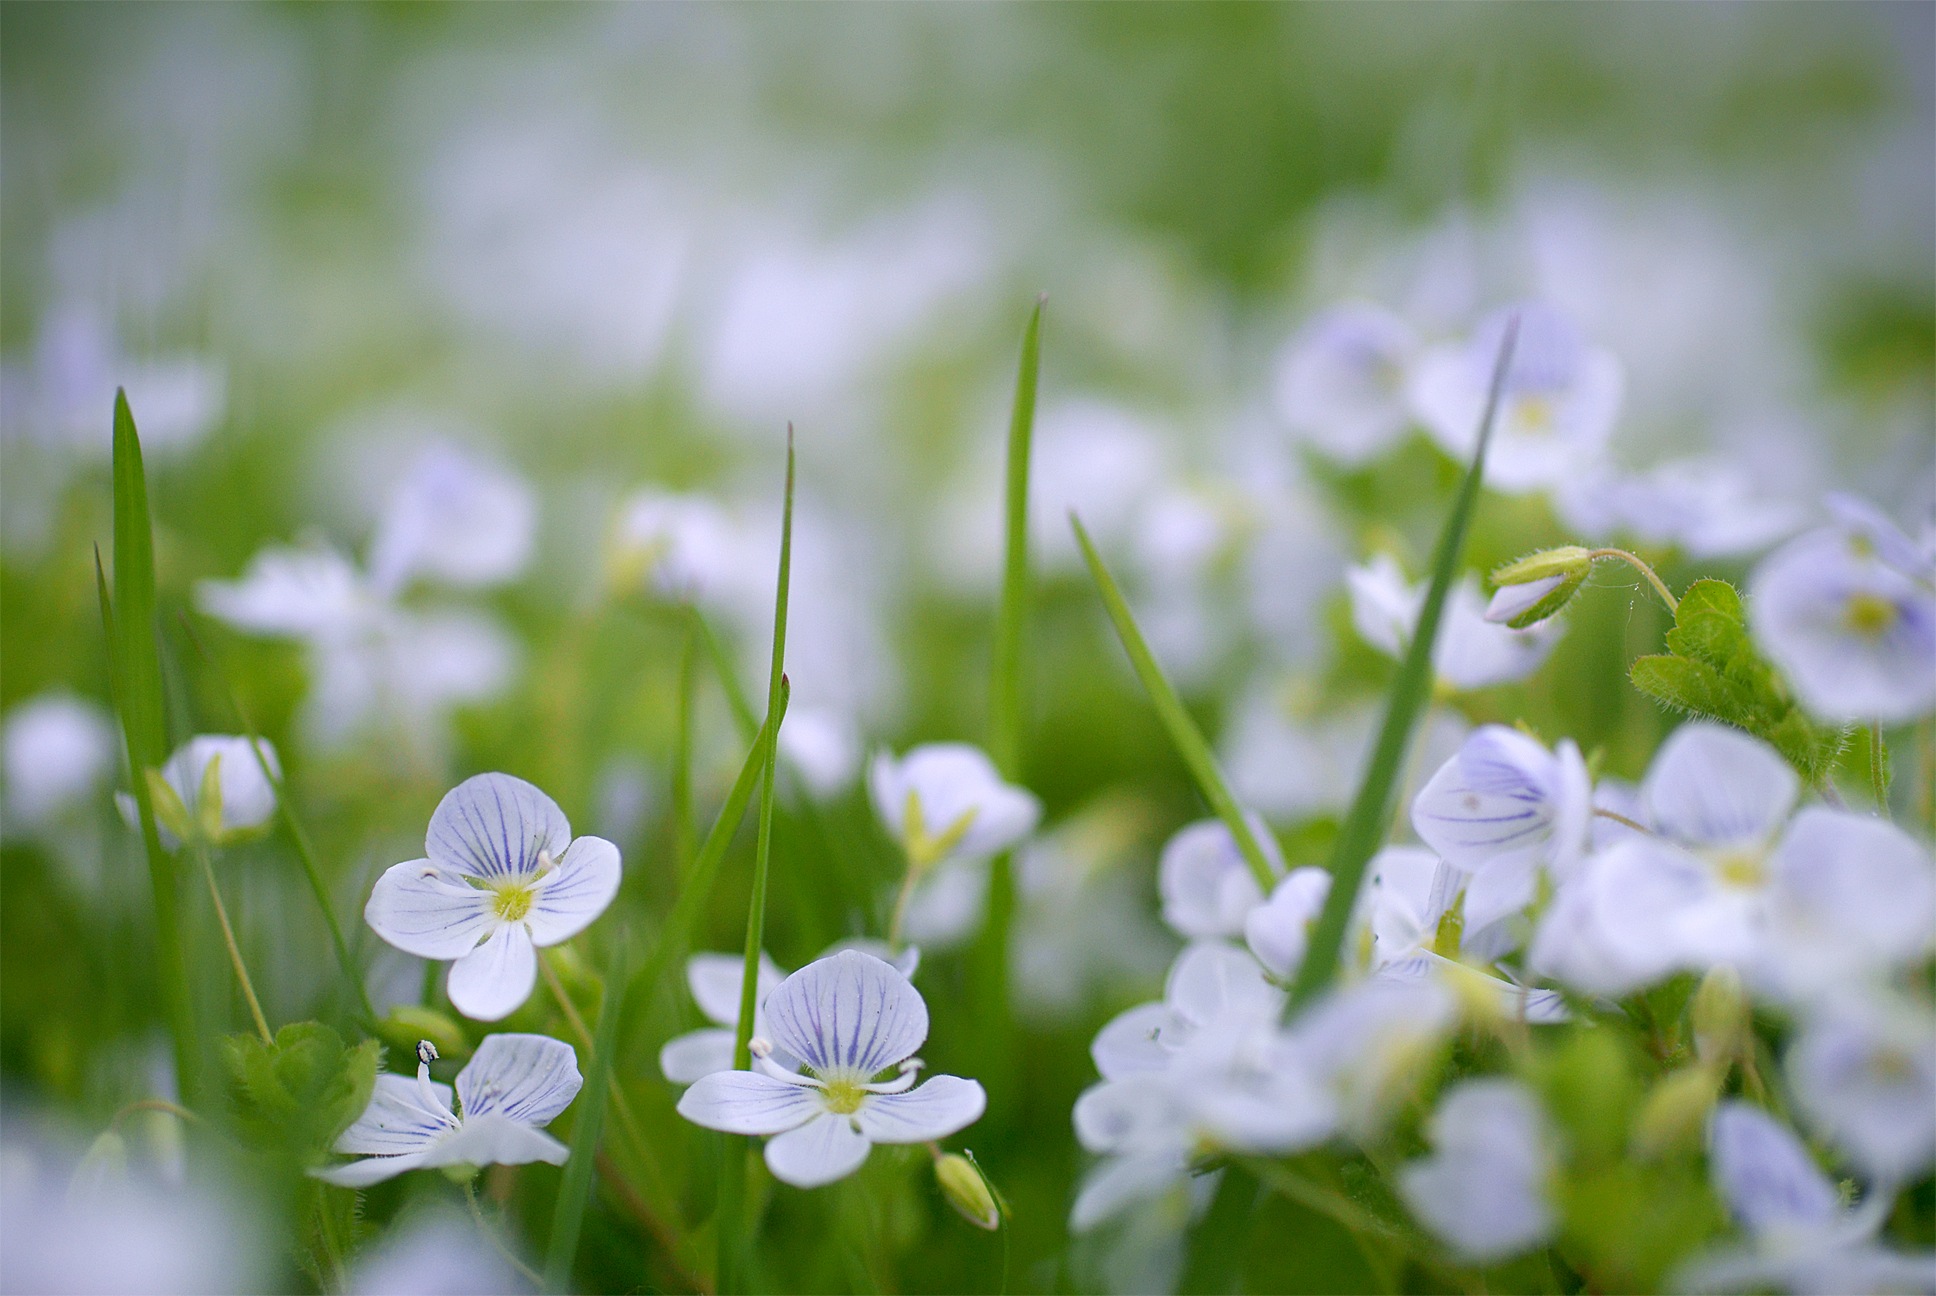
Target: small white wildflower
x=510, y=1089
x=503, y=876
x=58, y=750
x=1483, y=1189
x=1340, y=383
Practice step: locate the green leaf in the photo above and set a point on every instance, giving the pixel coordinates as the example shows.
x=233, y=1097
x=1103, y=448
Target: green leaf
x=575, y=1189
x=1005, y=686
x=1369, y=819
x=1183, y=732
x=299, y=1093
x=134, y=659
x=1713, y=670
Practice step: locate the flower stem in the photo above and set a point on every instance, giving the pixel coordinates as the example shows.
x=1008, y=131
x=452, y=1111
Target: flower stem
x=490, y=1234
x=235, y=954
x=1619, y=818
x=684, y=834
x=1641, y=565
x=1879, y=769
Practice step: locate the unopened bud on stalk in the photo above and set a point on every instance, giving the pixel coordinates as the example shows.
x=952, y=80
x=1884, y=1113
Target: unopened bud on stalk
x=967, y=1190
x=1721, y=1018
x=1538, y=585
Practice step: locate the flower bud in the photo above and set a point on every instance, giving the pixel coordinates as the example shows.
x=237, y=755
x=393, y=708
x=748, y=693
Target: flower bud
x=1520, y=606
x=1676, y=1111
x=101, y=1172
x=1721, y=1018
x=406, y=1027
x=1570, y=561
x=968, y=1190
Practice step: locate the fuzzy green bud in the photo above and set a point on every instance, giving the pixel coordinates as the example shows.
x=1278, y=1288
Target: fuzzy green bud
x=1676, y=1111
x=1721, y=1018
x=406, y=1024
x=967, y=1190
x=1570, y=561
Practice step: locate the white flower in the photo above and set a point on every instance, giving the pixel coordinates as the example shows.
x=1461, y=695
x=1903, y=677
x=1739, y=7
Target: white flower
x=510, y=1089
x=1800, y=1238
x=681, y=546
x=243, y=798
x=1505, y=796
x=1483, y=1189
x=1208, y=888
x=1696, y=894
x=503, y=876
x=848, y=1019
x=58, y=749
x=1704, y=507
x=1340, y=383
x=1862, y=1070
x=1557, y=407
x=456, y=519
x=946, y=800
x=1369, y=1043
x=1471, y=651
x=1848, y=612
x=434, y=1252
x=1850, y=897
x=1278, y=930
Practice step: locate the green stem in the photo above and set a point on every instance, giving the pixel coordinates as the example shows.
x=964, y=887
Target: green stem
x=1368, y=821
x=1641, y=565
x=490, y=1235
x=733, y=1242
x=575, y=1189
x=305, y=852
x=1011, y=621
x=235, y=953
x=1879, y=769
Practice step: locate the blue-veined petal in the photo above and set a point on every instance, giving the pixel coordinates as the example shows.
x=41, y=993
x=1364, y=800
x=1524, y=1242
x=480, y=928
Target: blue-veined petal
x=426, y=910
x=746, y=1102
x=1712, y=786
x=529, y=1078
x=494, y=826
x=824, y=1149
x=566, y=900
x=495, y=1139
x=396, y=1122
x=492, y=980
x=926, y=1112
x=850, y=1014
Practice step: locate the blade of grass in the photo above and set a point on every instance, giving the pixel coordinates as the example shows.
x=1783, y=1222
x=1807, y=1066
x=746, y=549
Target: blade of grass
x=305, y=852
x=733, y=1242
x=990, y=957
x=676, y=933
x=575, y=1189
x=1005, y=687
x=1184, y=734
x=135, y=673
x=1366, y=823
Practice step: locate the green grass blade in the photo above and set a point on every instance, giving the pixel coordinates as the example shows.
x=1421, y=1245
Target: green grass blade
x=733, y=1241
x=1005, y=686
x=676, y=934
x=684, y=834
x=1368, y=820
x=576, y=1188
x=135, y=655
x=305, y=850
x=1184, y=734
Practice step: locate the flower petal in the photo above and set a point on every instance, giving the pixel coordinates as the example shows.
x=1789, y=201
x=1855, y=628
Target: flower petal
x=494, y=825
x=1132, y=1041
x=1206, y=885
x=528, y=1078
x=370, y=1170
x=492, y=980
x=1118, y=1182
x=1715, y=786
x=496, y=1139
x=685, y=1058
x=714, y=980
x=746, y=1102
x=928, y=1111
x=1764, y=1174
x=850, y=1014
x=395, y=1122
x=1496, y=797
x=823, y=1150
x=426, y=910
x=1211, y=978
x=571, y=896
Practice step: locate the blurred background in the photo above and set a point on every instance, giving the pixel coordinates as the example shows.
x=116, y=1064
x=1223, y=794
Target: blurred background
x=555, y=280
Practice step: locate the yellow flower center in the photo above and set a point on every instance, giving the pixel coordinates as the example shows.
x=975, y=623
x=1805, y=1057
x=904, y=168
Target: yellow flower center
x=844, y=1096
x=1869, y=614
x=1535, y=415
x=1740, y=868
x=1892, y=1065
x=512, y=900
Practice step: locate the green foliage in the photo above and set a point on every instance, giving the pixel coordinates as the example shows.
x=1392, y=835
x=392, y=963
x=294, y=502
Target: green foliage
x=1713, y=670
x=298, y=1094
